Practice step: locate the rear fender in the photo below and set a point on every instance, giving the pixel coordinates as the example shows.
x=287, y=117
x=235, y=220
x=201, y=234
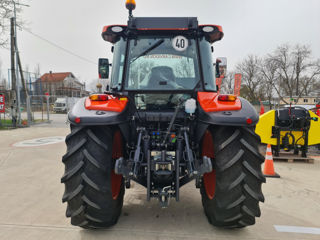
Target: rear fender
x=82, y=114
x=215, y=112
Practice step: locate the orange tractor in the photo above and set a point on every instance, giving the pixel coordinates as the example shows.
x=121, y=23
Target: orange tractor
x=162, y=124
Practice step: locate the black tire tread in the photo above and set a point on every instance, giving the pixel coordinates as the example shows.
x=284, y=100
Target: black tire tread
x=87, y=178
x=238, y=178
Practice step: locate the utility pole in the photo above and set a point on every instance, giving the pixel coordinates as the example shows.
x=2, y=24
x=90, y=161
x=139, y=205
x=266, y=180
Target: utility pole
x=22, y=77
x=17, y=67
x=25, y=91
x=13, y=75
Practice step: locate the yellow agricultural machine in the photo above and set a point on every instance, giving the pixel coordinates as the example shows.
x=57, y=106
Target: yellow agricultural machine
x=289, y=128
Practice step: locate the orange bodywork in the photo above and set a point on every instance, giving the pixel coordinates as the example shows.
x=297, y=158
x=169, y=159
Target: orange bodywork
x=113, y=104
x=209, y=103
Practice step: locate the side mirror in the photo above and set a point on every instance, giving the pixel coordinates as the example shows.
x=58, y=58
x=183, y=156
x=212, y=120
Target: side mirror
x=221, y=67
x=103, y=68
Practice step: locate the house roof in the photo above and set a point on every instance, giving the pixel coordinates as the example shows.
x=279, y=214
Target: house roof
x=55, y=77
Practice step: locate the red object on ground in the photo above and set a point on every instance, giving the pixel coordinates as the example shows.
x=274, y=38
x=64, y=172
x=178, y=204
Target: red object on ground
x=261, y=108
x=317, y=111
x=2, y=104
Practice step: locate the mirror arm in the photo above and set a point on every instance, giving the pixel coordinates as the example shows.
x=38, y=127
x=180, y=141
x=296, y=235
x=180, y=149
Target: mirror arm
x=217, y=69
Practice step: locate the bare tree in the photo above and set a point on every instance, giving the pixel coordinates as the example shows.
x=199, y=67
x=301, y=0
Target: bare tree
x=288, y=71
x=37, y=71
x=316, y=88
x=6, y=12
x=0, y=69
x=311, y=83
x=3, y=82
x=184, y=68
x=251, y=77
x=227, y=85
x=268, y=71
x=138, y=73
x=295, y=70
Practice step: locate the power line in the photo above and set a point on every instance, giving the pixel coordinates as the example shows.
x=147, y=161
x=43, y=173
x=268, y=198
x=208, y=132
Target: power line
x=61, y=48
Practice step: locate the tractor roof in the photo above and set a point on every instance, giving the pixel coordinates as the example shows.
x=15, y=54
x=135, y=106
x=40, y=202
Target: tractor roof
x=162, y=25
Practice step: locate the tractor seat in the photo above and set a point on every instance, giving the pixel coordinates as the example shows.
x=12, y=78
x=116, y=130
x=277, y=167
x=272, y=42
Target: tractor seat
x=161, y=77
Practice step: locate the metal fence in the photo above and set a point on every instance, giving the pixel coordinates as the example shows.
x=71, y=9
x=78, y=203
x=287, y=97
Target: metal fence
x=32, y=109
x=40, y=110
x=6, y=120
x=42, y=107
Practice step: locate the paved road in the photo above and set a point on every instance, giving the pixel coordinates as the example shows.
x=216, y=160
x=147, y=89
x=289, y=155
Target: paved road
x=31, y=208
x=57, y=120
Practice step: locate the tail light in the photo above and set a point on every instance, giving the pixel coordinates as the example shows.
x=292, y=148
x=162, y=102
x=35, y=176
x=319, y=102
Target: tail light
x=99, y=97
x=227, y=98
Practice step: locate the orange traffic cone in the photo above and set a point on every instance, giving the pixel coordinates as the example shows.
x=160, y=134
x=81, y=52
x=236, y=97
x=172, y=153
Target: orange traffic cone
x=261, y=108
x=268, y=165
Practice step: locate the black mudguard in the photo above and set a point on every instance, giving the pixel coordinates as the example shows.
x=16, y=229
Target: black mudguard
x=95, y=117
x=227, y=118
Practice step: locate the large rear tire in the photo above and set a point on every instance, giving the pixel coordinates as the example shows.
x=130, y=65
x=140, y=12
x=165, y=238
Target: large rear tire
x=93, y=191
x=232, y=191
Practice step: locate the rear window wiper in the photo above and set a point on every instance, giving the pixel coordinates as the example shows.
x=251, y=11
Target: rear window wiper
x=157, y=44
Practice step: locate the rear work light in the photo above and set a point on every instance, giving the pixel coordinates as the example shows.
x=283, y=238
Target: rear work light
x=212, y=33
x=112, y=33
x=98, y=97
x=227, y=98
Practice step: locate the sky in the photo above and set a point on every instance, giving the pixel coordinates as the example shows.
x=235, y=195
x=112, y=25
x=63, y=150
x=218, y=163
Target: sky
x=250, y=27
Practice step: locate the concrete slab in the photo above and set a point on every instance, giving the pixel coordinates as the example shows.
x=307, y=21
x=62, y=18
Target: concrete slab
x=31, y=207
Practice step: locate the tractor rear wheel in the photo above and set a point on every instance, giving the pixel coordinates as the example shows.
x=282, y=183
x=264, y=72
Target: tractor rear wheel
x=232, y=191
x=93, y=191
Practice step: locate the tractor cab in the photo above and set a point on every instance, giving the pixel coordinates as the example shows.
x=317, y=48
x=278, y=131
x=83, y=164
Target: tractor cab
x=162, y=54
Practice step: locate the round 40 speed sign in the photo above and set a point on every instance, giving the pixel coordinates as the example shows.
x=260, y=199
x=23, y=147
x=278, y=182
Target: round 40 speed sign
x=180, y=43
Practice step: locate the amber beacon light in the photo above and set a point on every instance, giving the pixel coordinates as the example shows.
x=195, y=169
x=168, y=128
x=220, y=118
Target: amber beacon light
x=130, y=4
